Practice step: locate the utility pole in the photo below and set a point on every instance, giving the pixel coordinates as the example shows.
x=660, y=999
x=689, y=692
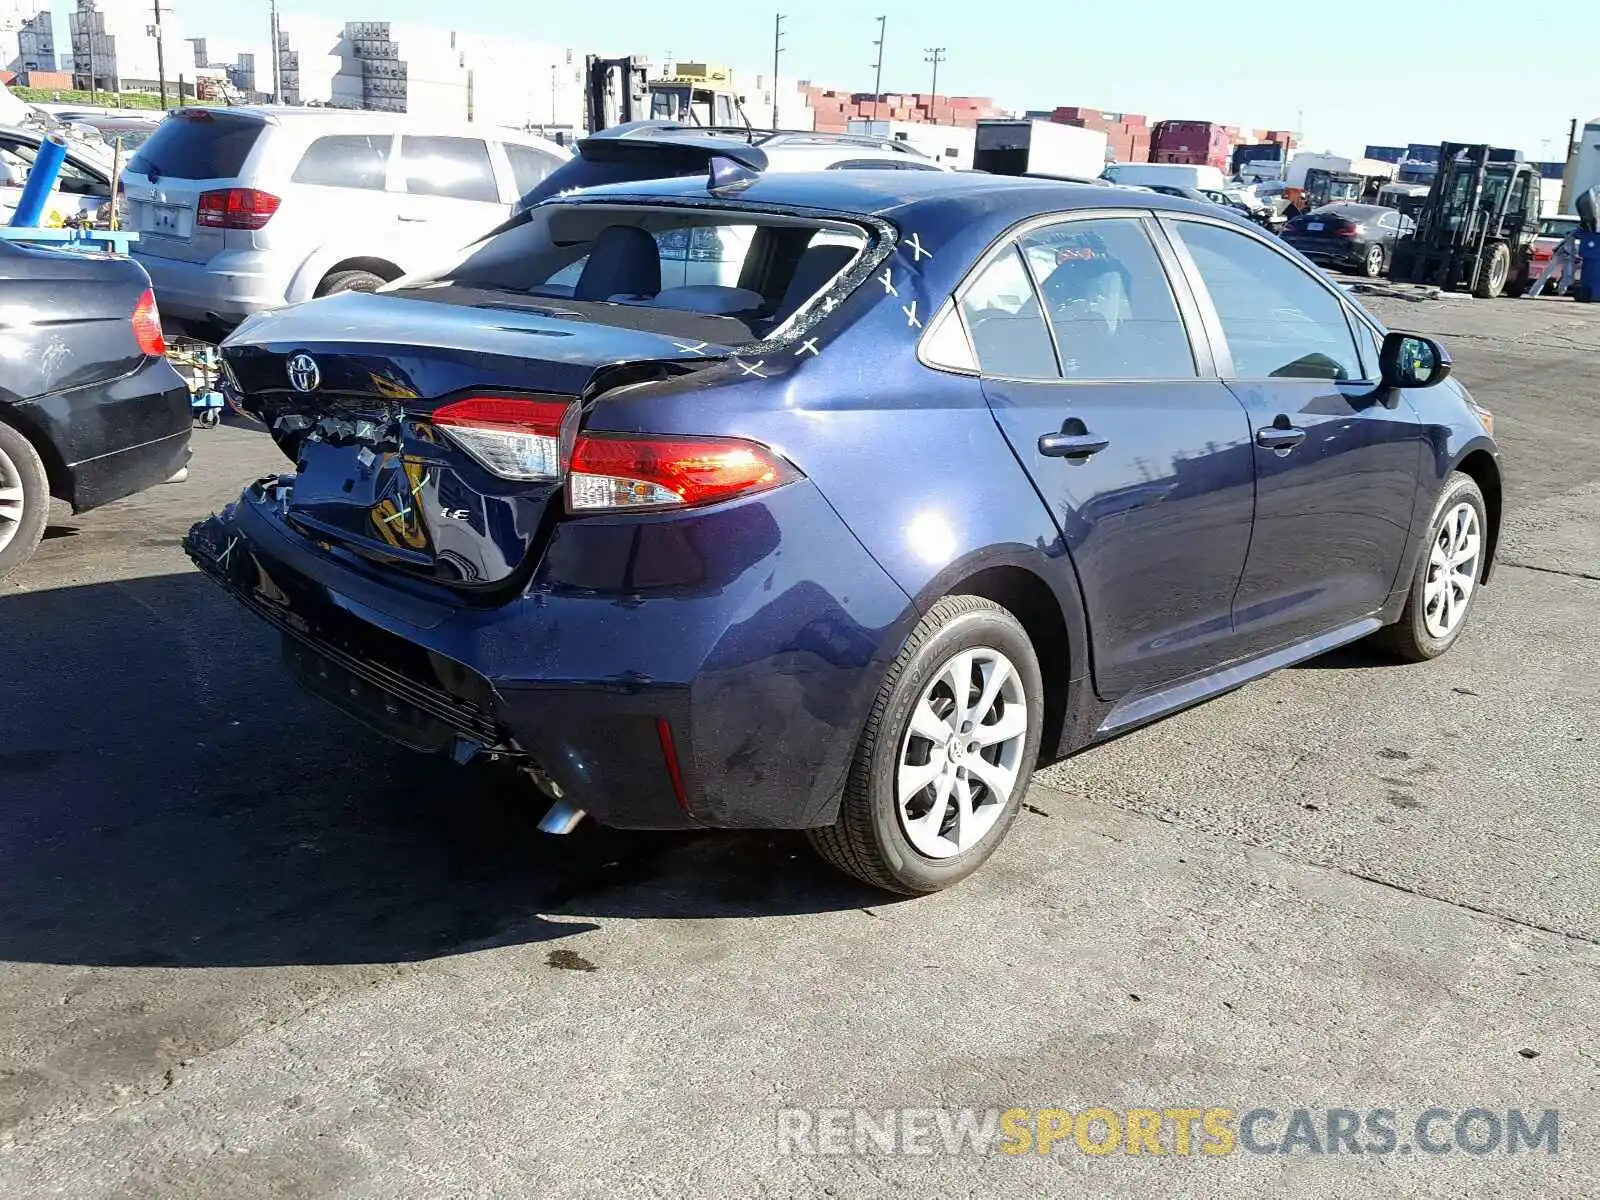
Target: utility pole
x=877, y=72
x=161, y=58
x=277, y=57
x=777, y=48
x=935, y=55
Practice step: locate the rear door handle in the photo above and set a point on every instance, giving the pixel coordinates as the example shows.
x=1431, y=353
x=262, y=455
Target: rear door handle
x=1073, y=442
x=403, y=217
x=1280, y=436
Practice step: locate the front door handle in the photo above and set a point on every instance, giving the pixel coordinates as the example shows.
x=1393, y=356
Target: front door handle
x=1073, y=442
x=403, y=217
x=1280, y=436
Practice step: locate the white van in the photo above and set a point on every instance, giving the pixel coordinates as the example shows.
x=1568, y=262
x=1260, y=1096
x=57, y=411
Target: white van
x=1202, y=179
x=240, y=210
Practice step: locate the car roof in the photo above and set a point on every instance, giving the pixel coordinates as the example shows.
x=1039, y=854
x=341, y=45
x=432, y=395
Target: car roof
x=986, y=199
x=292, y=115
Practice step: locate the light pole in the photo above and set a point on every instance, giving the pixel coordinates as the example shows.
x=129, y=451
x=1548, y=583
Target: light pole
x=777, y=48
x=877, y=69
x=935, y=55
x=161, y=59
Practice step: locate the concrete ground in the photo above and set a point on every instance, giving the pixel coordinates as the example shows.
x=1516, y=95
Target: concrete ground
x=247, y=950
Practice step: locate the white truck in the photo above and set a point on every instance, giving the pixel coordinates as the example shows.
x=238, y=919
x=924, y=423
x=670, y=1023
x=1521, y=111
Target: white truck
x=1039, y=148
x=1202, y=179
x=1367, y=168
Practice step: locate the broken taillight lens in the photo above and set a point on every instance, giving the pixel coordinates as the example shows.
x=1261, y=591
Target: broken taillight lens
x=515, y=437
x=632, y=473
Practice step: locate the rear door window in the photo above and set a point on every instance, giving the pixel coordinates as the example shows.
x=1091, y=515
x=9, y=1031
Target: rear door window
x=197, y=144
x=357, y=160
x=452, y=167
x=1108, y=301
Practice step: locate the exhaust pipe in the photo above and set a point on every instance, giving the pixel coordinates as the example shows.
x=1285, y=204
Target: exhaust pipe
x=562, y=818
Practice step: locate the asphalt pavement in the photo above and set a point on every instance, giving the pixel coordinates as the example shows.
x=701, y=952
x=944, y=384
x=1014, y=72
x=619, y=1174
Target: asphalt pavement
x=249, y=950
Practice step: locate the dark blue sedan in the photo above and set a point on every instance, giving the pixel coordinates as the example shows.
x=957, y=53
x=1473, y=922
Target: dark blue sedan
x=839, y=501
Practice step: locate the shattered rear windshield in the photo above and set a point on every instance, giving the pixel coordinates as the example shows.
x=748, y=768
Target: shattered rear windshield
x=746, y=273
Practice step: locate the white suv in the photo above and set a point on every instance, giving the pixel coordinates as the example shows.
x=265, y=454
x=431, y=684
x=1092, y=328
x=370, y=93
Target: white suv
x=239, y=210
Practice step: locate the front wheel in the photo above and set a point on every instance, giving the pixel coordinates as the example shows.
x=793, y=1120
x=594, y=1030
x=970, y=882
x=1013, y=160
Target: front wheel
x=1372, y=265
x=1446, y=581
x=947, y=752
x=1494, y=271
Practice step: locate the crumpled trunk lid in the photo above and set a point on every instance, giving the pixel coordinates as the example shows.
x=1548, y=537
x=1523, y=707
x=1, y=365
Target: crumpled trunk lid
x=348, y=386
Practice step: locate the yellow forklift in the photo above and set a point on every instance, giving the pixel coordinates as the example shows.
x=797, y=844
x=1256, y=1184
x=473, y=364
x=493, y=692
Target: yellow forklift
x=620, y=90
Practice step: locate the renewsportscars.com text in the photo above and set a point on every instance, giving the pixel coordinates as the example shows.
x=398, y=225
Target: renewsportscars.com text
x=1185, y=1131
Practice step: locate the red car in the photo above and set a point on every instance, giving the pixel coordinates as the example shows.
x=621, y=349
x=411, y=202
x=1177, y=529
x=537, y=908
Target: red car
x=1551, y=231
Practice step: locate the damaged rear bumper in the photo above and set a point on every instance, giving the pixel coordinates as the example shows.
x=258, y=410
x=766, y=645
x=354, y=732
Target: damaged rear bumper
x=753, y=678
x=390, y=670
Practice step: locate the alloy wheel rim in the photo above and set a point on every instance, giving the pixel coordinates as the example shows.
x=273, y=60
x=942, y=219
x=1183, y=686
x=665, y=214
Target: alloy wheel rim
x=1452, y=571
x=962, y=753
x=1375, y=259
x=11, y=499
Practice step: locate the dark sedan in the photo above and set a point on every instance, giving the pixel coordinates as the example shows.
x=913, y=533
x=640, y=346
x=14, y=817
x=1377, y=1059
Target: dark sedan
x=959, y=472
x=90, y=410
x=1351, y=237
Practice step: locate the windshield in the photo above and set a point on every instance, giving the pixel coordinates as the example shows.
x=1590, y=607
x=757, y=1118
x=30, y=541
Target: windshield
x=730, y=276
x=1557, y=226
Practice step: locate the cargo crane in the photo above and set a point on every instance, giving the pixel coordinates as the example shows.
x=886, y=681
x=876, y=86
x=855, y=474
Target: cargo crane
x=1476, y=228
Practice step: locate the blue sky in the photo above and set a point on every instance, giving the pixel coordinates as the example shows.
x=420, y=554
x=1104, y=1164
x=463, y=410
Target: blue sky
x=1507, y=73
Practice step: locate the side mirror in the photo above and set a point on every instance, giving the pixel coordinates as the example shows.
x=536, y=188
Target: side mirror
x=1409, y=360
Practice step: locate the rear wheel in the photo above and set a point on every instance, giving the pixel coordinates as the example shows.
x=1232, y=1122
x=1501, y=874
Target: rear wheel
x=1446, y=582
x=24, y=499
x=352, y=281
x=1372, y=265
x=946, y=755
x=1494, y=271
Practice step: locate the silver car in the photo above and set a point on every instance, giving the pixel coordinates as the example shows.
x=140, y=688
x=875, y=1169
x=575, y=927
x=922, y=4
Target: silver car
x=240, y=210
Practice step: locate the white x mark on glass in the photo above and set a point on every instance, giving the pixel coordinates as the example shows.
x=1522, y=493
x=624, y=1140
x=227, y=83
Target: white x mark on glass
x=753, y=368
x=809, y=346
x=694, y=349
x=887, y=279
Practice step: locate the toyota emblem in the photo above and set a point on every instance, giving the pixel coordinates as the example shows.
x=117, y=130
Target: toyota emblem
x=304, y=374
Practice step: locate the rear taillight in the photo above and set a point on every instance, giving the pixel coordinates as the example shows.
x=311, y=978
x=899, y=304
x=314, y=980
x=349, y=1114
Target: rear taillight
x=1346, y=231
x=515, y=437
x=236, y=208
x=147, y=326
x=629, y=473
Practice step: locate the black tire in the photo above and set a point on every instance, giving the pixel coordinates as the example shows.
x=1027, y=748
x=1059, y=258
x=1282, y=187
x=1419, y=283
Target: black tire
x=352, y=281
x=1409, y=638
x=1372, y=265
x=1496, y=269
x=868, y=839
x=20, y=465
